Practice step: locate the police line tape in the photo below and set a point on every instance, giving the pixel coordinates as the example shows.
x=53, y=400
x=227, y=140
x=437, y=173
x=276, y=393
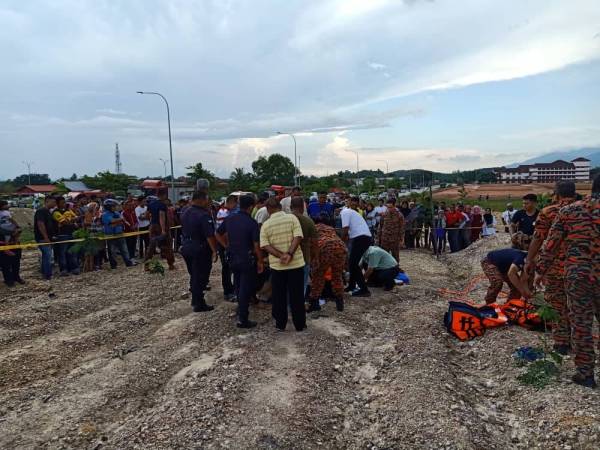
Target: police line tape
x=32, y=245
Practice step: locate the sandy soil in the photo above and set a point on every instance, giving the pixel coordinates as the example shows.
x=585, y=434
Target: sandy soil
x=503, y=191
x=113, y=361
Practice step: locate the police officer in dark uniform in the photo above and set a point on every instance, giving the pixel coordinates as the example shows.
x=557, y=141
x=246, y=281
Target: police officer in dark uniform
x=199, y=248
x=239, y=234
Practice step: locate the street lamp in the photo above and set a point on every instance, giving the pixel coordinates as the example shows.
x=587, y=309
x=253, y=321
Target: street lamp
x=164, y=161
x=295, y=157
x=387, y=167
x=170, y=143
x=28, y=164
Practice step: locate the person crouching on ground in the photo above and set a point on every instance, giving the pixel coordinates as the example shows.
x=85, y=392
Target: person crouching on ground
x=331, y=254
x=382, y=268
x=506, y=265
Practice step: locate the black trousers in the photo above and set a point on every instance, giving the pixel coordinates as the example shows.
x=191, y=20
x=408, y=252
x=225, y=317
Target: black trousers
x=385, y=278
x=359, y=246
x=131, y=244
x=11, y=266
x=245, y=280
x=198, y=260
x=288, y=283
x=225, y=272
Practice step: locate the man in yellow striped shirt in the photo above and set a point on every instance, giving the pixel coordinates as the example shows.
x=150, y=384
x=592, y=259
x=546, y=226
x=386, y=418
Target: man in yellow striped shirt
x=280, y=237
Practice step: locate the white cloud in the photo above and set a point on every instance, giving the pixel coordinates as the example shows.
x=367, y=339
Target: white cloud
x=235, y=70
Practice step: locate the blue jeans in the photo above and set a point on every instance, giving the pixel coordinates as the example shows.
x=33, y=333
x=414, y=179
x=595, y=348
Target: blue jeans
x=118, y=245
x=46, y=251
x=67, y=261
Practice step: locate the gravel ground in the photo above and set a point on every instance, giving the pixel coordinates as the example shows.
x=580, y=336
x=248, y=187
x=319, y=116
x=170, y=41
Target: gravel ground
x=112, y=360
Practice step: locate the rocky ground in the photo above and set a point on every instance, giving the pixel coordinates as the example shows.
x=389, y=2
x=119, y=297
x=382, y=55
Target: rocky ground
x=117, y=360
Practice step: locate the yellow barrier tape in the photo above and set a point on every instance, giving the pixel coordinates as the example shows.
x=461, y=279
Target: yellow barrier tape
x=31, y=245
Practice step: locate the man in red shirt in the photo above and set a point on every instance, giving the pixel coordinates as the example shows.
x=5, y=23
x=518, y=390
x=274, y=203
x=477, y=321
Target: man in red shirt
x=454, y=219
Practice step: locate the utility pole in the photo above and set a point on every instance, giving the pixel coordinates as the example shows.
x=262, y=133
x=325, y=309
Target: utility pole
x=295, y=157
x=164, y=161
x=117, y=159
x=28, y=164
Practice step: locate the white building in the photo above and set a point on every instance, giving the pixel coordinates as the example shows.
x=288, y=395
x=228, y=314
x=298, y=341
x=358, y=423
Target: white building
x=577, y=170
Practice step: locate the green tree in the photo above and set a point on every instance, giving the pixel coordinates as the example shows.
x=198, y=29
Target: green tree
x=73, y=177
x=7, y=187
x=239, y=180
x=197, y=171
x=117, y=183
x=369, y=184
x=36, y=178
x=274, y=169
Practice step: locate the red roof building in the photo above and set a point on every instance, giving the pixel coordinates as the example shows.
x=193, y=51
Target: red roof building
x=31, y=189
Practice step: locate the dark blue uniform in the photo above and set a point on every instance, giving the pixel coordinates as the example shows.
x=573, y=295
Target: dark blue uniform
x=242, y=232
x=197, y=225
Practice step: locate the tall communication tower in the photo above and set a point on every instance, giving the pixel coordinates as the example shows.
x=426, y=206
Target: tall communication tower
x=117, y=159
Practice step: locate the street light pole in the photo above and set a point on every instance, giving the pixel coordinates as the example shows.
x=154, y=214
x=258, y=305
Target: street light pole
x=28, y=164
x=164, y=161
x=170, y=142
x=295, y=157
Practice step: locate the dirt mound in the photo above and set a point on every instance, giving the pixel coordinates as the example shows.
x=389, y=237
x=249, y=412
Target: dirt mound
x=113, y=361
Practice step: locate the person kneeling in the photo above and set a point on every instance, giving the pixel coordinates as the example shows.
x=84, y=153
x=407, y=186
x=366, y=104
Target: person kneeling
x=382, y=268
x=506, y=266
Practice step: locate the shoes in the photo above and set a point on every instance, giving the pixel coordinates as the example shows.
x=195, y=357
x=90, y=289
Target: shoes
x=314, y=306
x=64, y=273
x=230, y=297
x=562, y=349
x=389, y=288
x=339, y=304
x=75, y=272
x=9, y=284
x=20, y=281
x=361, y=293
x=246, y=324
x=349, y=289
x=203, y=308
x=584, y=381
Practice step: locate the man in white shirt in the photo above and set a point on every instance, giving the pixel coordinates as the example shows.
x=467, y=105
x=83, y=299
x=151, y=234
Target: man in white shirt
x=286, y=202
x=143, y=217
x=355, y=229
x=379, y=210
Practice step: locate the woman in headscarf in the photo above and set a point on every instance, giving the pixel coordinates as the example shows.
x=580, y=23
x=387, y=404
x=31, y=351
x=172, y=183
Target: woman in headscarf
x=476, y=223
x=391, y=228
x=489, y=223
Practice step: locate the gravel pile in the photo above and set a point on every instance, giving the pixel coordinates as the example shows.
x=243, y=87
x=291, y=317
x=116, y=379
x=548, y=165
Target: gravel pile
x=110, y=361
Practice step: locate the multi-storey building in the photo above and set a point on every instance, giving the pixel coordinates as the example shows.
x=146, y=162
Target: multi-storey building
x=577, y=170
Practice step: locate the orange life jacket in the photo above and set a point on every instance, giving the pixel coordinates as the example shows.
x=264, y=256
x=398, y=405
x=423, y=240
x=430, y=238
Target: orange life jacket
x=521, y=313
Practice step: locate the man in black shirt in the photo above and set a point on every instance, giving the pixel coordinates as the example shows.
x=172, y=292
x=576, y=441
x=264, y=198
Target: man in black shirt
x=199, y=248
x=524, y=219
x=160, y=234
x=44, y=230
x=239, y=234
x=506, y=266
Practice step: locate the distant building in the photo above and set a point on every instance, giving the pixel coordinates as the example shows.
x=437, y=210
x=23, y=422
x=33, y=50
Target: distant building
x=577, y=170
x=32, y=189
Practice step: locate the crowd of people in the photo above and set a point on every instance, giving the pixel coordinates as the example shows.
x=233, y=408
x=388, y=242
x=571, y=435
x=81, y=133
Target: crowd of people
x=557, y=247
x=312, y=249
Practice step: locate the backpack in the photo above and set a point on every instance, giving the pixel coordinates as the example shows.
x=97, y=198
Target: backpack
x=464, y=321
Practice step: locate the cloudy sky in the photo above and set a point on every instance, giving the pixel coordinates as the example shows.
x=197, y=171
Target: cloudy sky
x=442, y=85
